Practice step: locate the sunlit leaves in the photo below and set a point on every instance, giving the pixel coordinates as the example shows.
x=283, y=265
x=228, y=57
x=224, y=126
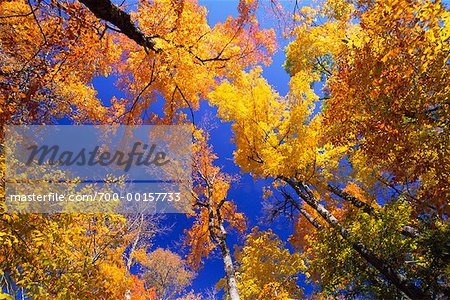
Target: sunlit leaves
x=192, y=55
x=275, y=135
x=214, y=213
x=389, y=96
x=50, y=53
x=380, y=130
x=266, y=269
x=332, y=262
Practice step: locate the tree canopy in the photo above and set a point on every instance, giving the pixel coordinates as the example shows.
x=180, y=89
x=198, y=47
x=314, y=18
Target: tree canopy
x=354, y=158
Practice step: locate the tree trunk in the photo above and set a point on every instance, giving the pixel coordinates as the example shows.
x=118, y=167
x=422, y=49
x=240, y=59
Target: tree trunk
x=395, y=277
x=127, y=294
x=219, y=234
x=308, y=217
x=229, y=270
x=407, y=230
x=129, y=260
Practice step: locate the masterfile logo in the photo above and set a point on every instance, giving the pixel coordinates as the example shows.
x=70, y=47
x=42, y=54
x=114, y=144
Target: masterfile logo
x=141, y=154
x=98, y=168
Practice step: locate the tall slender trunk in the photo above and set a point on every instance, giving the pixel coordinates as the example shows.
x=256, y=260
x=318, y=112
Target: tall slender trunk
x=229, y=270
x=128, y=264
x=394, y=276
x=129, y=260
x=219, y=234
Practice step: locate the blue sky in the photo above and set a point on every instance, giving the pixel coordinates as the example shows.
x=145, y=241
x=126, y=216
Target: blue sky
x=247, y=193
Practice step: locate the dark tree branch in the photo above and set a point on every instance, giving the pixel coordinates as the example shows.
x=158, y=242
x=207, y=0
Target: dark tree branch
x=308, y=216
x=108, y=11
x=353, y=200
x=408, y=231
x=37, y=22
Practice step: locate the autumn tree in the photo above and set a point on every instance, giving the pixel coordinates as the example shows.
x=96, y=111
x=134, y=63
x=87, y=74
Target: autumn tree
x=142, y=227
x=332, y=263
x=285, y=138
x=52, y=50
x=393, y=74
x=50, y=53
x=361, y=166
x=63, y=255
x=214, y=213
x=165, y=271
x=266, y=269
